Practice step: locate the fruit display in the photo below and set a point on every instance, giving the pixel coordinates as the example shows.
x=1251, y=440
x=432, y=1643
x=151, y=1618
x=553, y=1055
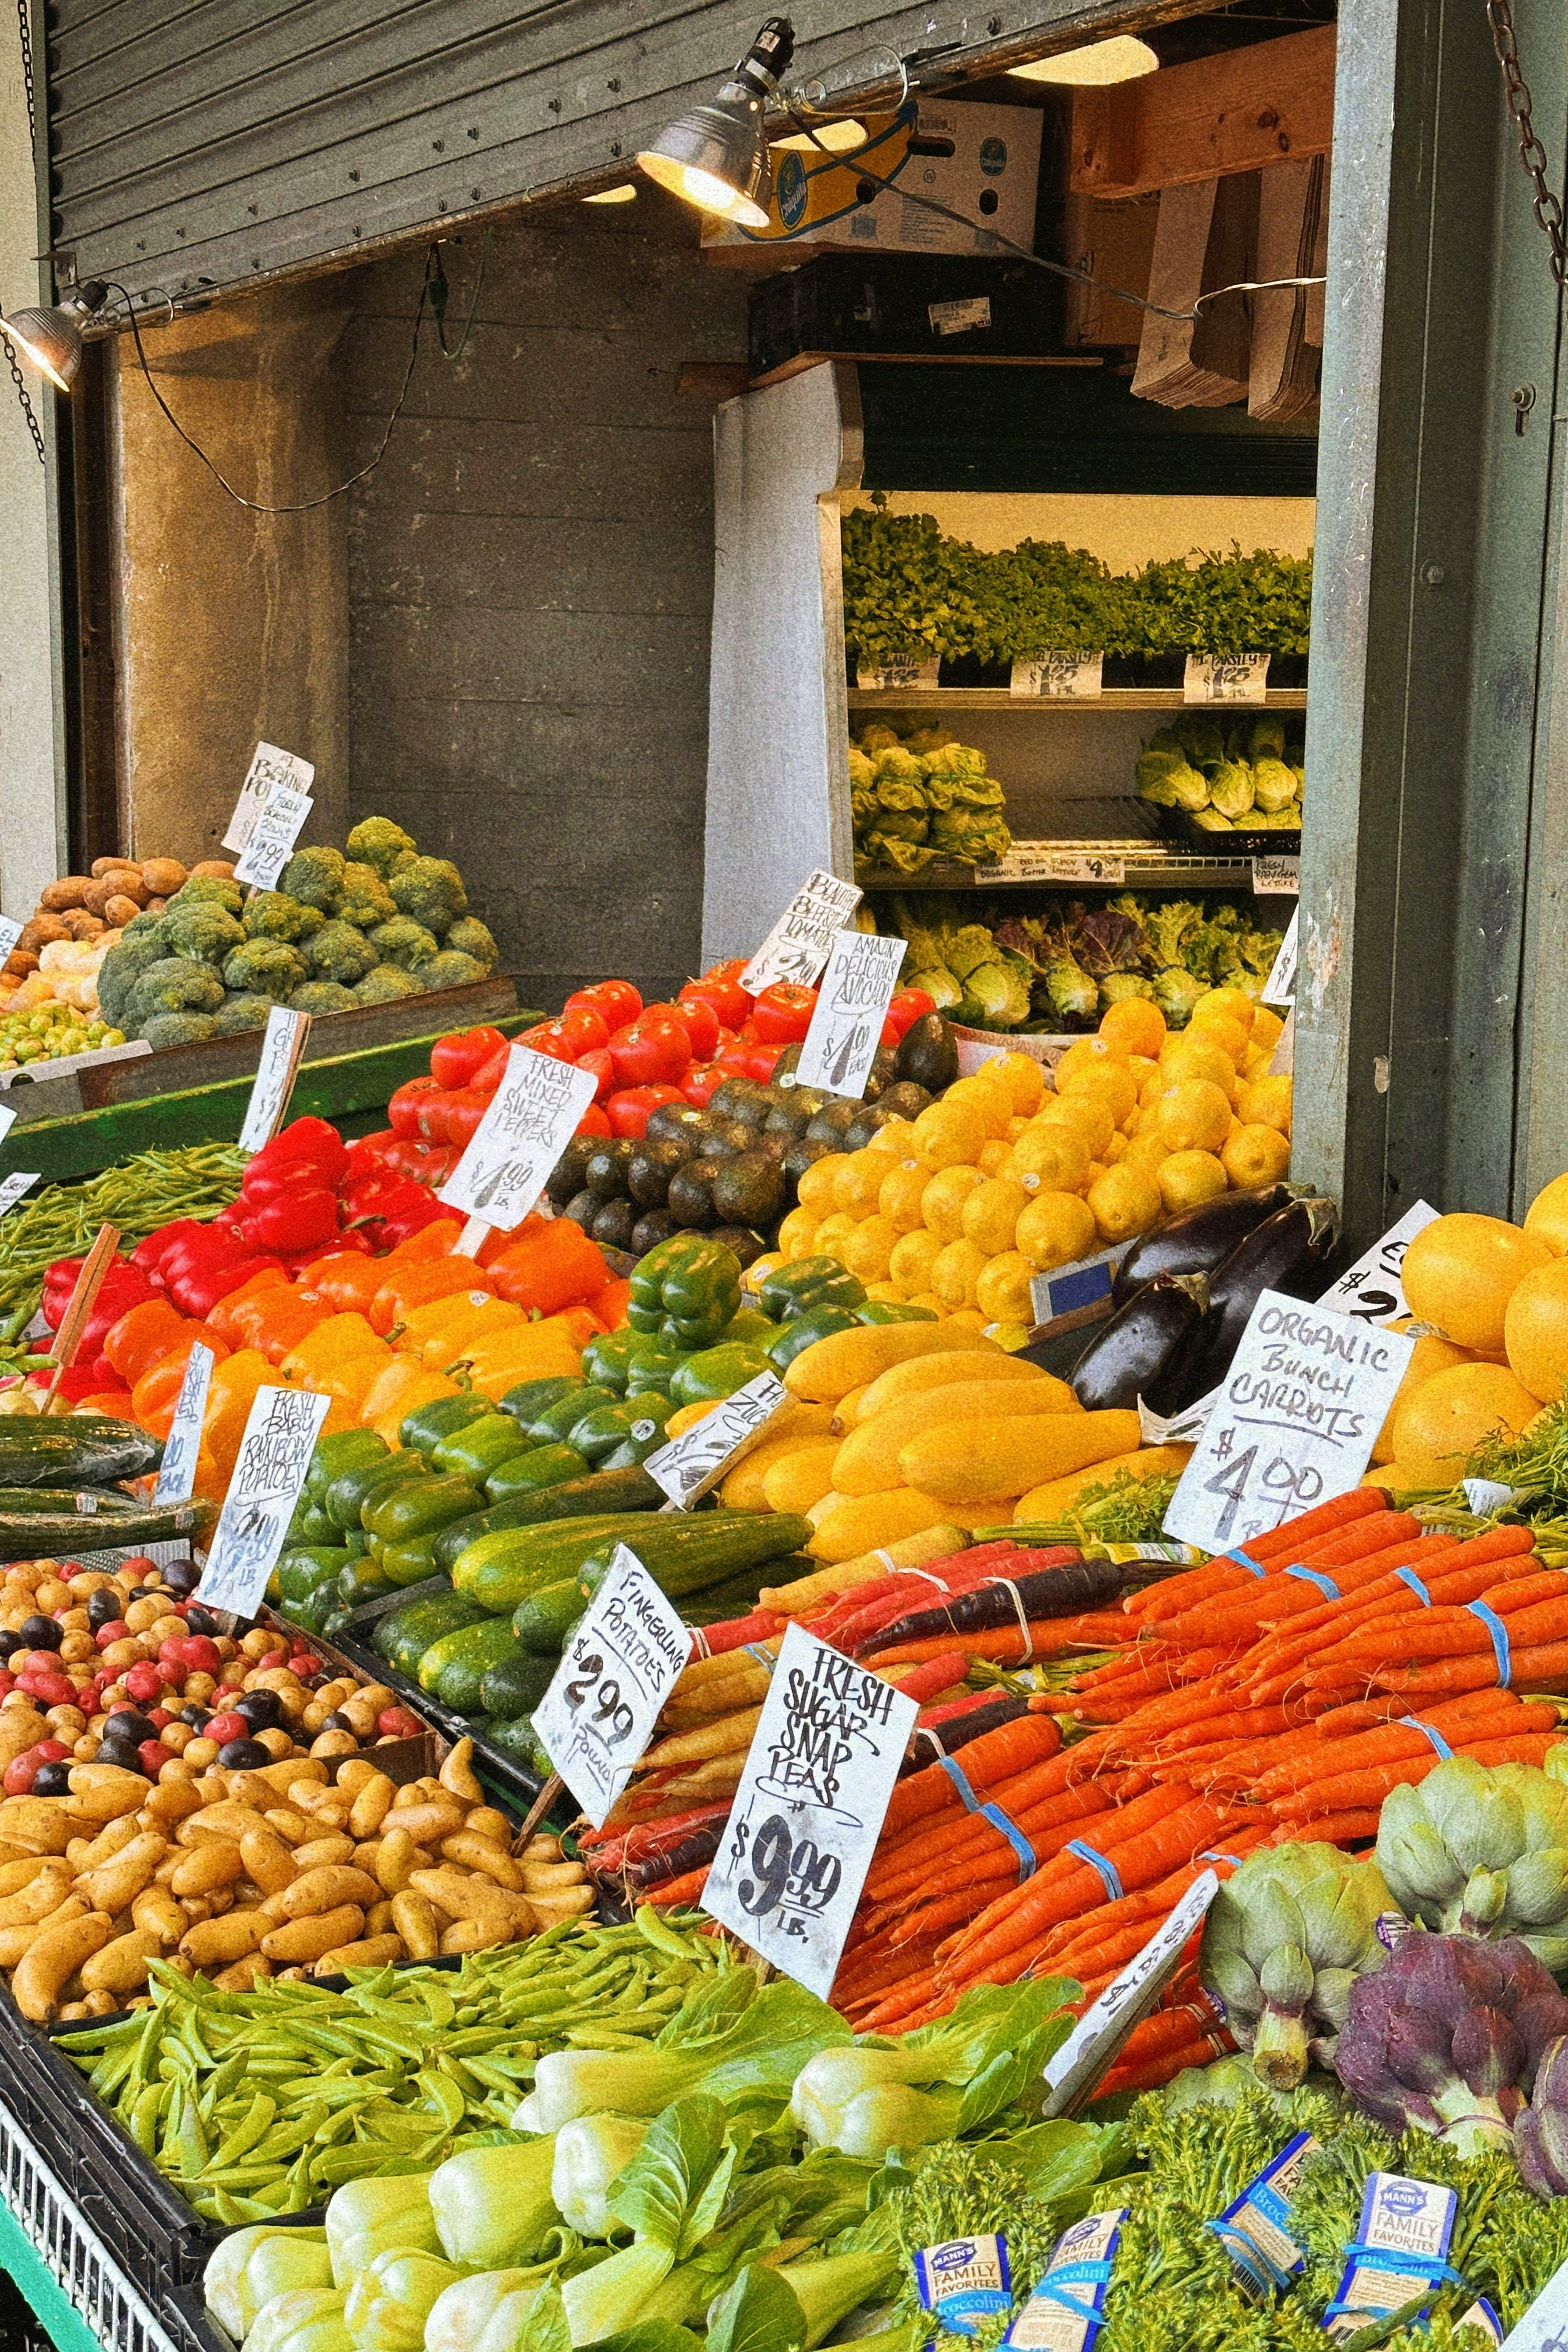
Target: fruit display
x=1245, y=778
x=923, y=796
x=364, y=925
x=1061, y=969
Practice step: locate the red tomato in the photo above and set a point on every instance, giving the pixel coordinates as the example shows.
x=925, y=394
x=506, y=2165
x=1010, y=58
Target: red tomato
x=721, y=988
x=782, y=1013
x=433, y=1116
x=761, y=1061
x=889, y=1034
x=653, y=1051
x=910, y=1005
x=454, y=1060
x=593, y=1122
x=598, y=1060
x=549, y=1037
x=700, y=1021
x=629, y=1111
x=700, y=1085
x=402, y=1111
x=465, y=1110
x=616, y=1000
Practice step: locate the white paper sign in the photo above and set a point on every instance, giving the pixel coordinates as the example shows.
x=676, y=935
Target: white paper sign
x=1023, y=863
x=622, y=1661
x=12, y=1189
x=1183, y=1428
x=916, y=677
x=280, y=1435
x=797, y=947
x=1276, y=877
x=269, y=770
x=690, y=1466
x=1073, y=2070
x=1072, y=678
x=10, y=933
x=282, y=1045
x=272, y=840
x=1544, y=2327
x=852, y=1005
x=809, y=1809
x=177, y=1471
x=1279, y=988
x=1224, y=677
x=1371, y=1291
x=531, y=1119
x=7, y=1121
x=1298, y=1414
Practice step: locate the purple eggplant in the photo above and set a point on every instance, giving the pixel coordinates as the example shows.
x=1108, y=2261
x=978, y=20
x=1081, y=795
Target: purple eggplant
x=1199, y=1240
x=1128, y=1356
x=1286, y=1250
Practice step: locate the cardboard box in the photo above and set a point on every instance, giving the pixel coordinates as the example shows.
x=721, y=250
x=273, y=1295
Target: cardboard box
x=893, y=306
x=982, y=161
x=1111, y=238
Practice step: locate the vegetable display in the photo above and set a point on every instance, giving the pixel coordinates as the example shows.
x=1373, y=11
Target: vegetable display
x=1246, y=778
x=923, y=796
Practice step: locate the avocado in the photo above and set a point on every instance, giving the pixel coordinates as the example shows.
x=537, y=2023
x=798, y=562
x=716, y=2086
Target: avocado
x=583, y=1208
x=802, y=1154
x=749, y=1190
x=904, y=1099
x=605, y=1174
x=740, y=1241
x=650, y=1168
x=679, y=1123
x=613, y=1227
x=929, y=1053
x=653, y=1226
x=690, y=1199
x=742, y=1098
x=830, y=1123
x=869, y=1120
x=569, y=1173
x=884, y=1070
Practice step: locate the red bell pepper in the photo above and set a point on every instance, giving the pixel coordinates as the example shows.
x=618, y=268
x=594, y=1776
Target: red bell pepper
x=593, y=1122
x=488, y=1075
x=782, y=1013
x=366, y=1156
x=908, y=1006
x=720, y=987
x=654, y=1050
x=434, y=1117
x=427, y=1163
x=402, y=1111
x=549, y=1268
x=604, y=1069
x=615, y=1000
x=629, y=1111
x=198, y=1291
x=149, y=1255
x=700, y=1021
x=313, y=1140
x=700, y=1085
x=293, y=1221
x=454, y=1060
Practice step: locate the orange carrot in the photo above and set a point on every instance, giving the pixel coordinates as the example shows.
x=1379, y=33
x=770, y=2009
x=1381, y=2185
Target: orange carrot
x=1329, y=1829
x=687, y=1888
x=1178, y=1593
x=996, y=1755
x=976, y=1843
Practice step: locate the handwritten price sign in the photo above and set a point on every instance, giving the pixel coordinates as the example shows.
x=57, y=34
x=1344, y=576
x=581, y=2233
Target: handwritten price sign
x=522, y=1135
x=852, y=1005
x=1371, y=1290
x=797, y=947
x=621, y=1662
x=275, y=1453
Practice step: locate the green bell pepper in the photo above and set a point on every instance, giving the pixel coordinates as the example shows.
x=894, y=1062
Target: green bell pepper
x=350, y=1449
x=347, y=1494
x=634, y=1420
x=550, y=1426
x=748, y=1328
x=427, y=1424
x=685, y=1289
x=531, y=1398
x=803, y=1283
x=302, y=1572
x=653, y=1365
x=607, y=1359
x=421, y=1507
x=542, y=1466
x=482, y=1446
x=893, y=1310
x=803, y=1331
x=716, y=1373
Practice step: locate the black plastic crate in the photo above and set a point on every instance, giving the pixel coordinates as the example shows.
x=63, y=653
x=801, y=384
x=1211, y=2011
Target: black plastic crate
x=902, y=305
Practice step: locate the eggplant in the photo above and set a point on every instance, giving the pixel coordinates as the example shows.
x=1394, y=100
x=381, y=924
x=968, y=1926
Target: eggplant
x=1196, y=1241
x=1287, y=1249
x=1129, y=1356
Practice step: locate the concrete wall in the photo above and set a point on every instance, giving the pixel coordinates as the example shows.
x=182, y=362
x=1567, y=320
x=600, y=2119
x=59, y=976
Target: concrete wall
x=531, y=583
x=32, y=838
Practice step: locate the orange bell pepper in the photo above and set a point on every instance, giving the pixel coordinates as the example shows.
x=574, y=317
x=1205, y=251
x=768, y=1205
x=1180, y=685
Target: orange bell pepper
x=135, y=1343
x=277, y=1320
x=610, y=1304
x=437, y=1239
x=551, y=1268
x=238, y=1302
x=230, y=1397
x=116, y=1402
x=157, y=1392
x=500, y=1239
x=443, y=1328
x=410, y=1285
x=347, y=1281
x=530, y=1351
x=399, y=1387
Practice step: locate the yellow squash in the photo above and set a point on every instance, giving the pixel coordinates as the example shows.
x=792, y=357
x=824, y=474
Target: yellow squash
x=1060, y=1495
x=868, y=1458
x=830, y=1370
x=922, y=1373
x=963, y=1462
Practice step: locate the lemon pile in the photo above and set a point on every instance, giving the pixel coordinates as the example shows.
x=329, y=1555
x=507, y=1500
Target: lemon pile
x=1006, y=1178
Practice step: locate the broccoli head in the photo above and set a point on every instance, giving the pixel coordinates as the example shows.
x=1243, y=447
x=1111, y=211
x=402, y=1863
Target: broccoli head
x=323, y=996
x=271, y=915
x=265, y=967
x=431, y=890
x=202, y=931
x=238, y=1013
x=144, y=926
x=378, y=842
x=364, y=898
x=180, y=1029
x=122, y=966
x=451, y=969
x=175, y=984
x=315, y=876
x=403, y=941
x=386, y=983
x=213, y=888
x=339, y=953
x=469, y=937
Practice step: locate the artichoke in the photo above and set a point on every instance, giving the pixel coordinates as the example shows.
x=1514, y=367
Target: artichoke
x=1283, y=1944
x=1481, y=1846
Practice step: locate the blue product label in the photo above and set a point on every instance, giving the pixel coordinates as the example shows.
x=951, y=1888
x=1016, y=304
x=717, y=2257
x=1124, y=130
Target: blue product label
x=964, y=2280
x=789, y=189
x=1255, y=2230
x=993, y=157
x=1063, y=2313
x=1402, y=2247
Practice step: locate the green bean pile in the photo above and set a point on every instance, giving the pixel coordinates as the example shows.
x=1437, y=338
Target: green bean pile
x=263, y=2102
x=149, y=1190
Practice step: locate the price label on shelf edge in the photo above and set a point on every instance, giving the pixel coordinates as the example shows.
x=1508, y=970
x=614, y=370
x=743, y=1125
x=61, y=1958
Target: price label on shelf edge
x=900, y=677
x=280, y=1434
x=797, y=947
x=269, y=770
x=531, y=1119
x=689, y=1467
x=1276, y=877
x=1370, y=1291
x=852, y=1005
x=177, y=1471
x=1294, y=1425
x=1064, y=677
x=623, y=1658
x=1022, y=864
x=809, y=1811
x=1224, y=677
x=1279, y=988
x=273, y=836
x=282, y=1050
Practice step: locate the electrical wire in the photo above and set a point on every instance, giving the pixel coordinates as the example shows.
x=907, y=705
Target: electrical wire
x=438, y=292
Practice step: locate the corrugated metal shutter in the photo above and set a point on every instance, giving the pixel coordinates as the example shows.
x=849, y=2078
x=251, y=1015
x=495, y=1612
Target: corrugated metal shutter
x=196, y=147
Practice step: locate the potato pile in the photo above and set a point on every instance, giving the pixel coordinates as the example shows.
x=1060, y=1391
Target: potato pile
x=246, y=1875
x=88, y=912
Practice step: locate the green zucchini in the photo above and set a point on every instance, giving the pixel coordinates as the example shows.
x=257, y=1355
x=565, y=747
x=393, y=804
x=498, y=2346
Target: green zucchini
x=77, y=1450
x=681, y=1554
x=360, y=1581
x=621, y=1489
x=300, y=1571
x=351, y=1489
x=453, y=1668
x=50, y=1522
x=517, y=1685
x=404, y=1634
x=543, y=1621
x=347, y=1449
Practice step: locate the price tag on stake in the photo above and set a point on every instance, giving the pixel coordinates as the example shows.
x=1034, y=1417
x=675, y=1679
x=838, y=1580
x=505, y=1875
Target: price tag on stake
x=177, y=1471
x=1075, y=2070
x=7, y=1121
x=12, y=1189
x=1370, y=1290
x=273, y=836
x=1224, y=677
x=797, y=947
x=623, y=1658
x=1279, y=988
x=852, y=1005
x=1544, y=2327
x=282, y=1050
x=83, y=1299
x=531, y=1119
x=689, y=1467
x=280, y=1435
x=809, y=1811
x=269, y=769
x=10, y=933
x=1298, y=1414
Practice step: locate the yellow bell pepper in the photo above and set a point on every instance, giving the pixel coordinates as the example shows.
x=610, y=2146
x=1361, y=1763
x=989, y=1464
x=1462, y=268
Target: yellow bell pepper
x=531, y=1351
x=398, y=1388
x=342, y=1358
x=443, y=1329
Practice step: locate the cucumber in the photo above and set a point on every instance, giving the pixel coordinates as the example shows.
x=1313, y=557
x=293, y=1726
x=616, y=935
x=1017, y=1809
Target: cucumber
x=78, y=1450
x=735, y=1596
x=543, y=1621
x=551, y=1465
x=404, y=1634
x=360, y=1581
x=681, y=1554
x=626, y=1489
x=45, y=1522
x=516, y=1685
x=453, y=1668
x=517, y=1741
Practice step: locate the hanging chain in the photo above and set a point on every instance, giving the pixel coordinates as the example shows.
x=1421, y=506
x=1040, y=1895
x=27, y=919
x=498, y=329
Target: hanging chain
x=20, y=382
x=25, y=31
x=1531, y=155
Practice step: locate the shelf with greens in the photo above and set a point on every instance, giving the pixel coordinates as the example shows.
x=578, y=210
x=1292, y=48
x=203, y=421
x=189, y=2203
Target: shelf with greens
x=944, y=698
